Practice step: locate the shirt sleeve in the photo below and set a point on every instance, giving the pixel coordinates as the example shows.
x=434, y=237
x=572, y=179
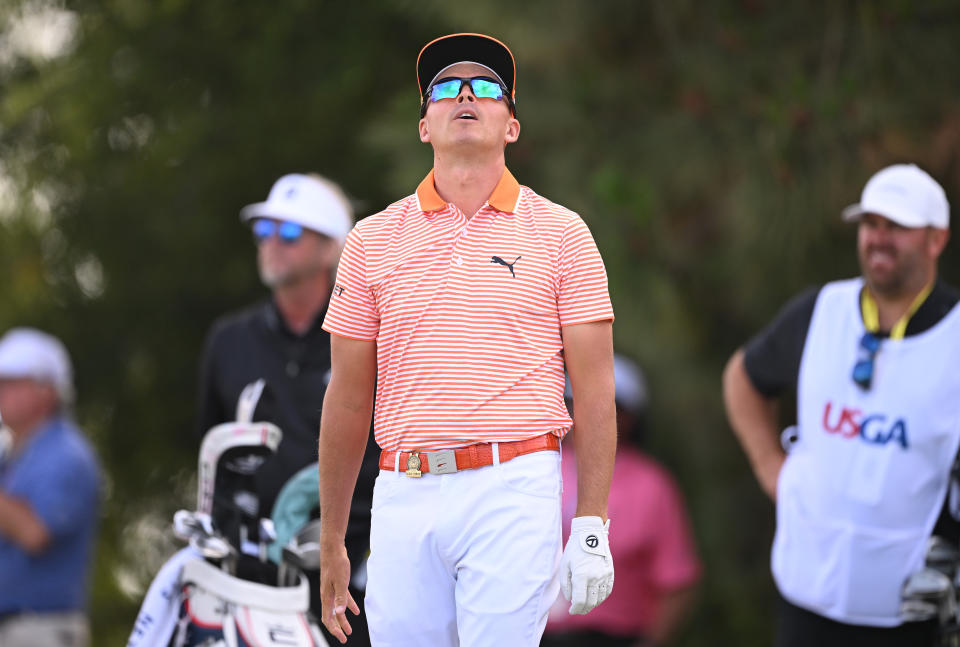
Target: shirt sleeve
x=209, y=407
x=65, y=492
x=772, y=357
x=583, y=295
x=353, y=310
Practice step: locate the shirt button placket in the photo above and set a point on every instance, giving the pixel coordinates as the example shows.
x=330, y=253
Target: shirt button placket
x=462, y=223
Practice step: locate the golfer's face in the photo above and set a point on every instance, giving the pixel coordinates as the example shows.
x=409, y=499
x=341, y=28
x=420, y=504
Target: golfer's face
x=467, y=120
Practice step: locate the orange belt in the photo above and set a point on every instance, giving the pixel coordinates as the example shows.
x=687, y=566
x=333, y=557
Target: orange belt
x=448, y=461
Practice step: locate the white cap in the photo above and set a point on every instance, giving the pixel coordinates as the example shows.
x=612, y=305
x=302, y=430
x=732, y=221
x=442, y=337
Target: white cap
x=307, y=200
x=905, y=194
x=30, y=353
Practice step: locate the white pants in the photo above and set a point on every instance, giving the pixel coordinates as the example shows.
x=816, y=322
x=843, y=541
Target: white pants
x=46, y=630
x=467, y=559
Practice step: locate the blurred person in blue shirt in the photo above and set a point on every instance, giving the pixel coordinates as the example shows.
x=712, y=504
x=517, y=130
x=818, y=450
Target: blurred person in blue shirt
x=49, y=497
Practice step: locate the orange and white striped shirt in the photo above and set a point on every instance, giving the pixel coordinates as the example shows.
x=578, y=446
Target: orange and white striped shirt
x=467, y=313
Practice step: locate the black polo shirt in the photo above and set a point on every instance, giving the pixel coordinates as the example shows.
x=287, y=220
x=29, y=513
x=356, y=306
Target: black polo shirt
x=256, y=343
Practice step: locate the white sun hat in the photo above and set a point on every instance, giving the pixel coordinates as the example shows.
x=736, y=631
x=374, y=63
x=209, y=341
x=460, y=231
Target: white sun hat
x=31, y=353
x=308, y=200
x=905, y=194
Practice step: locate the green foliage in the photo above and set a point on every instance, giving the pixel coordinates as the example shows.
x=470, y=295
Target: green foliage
x=709, y=147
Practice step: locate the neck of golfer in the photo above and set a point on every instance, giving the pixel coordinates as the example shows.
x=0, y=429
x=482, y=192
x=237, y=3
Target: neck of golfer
x=467, y=178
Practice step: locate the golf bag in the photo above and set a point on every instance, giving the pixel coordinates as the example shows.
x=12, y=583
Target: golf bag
x=221, y=609
x=223, y=590
x=932, y=592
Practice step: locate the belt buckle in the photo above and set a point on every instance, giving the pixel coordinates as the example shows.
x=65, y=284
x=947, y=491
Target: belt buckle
x=413, y=466
x=442, y=462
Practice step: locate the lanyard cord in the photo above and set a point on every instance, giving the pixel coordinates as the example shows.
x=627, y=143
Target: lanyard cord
x=871, y=314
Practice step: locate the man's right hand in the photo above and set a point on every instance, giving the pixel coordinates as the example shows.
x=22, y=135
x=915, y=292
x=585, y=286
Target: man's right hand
x=335, y=598
x=753, y=418
x=344, y=428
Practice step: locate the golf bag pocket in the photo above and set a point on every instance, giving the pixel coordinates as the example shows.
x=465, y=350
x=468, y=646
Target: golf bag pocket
x=219, y=609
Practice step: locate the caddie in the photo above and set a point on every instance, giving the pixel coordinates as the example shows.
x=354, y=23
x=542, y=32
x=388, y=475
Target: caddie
x=873, y=362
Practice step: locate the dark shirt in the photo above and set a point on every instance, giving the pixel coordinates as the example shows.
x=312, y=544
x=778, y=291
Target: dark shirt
x=256, y=343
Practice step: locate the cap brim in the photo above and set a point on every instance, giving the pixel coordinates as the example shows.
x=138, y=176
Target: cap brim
x=854, y=213
x=277, y=212
x=260, y=210
x=438, y=75
x=447, y=50
x=16, y=373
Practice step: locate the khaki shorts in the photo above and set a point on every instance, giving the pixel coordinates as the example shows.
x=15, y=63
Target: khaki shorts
x=45, y=630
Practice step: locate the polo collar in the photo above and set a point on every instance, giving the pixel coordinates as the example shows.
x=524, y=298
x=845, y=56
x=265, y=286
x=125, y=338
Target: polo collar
x=275, y=322
x=504, y=198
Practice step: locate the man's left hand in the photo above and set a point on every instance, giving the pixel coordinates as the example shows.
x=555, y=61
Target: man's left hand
x=586, y=568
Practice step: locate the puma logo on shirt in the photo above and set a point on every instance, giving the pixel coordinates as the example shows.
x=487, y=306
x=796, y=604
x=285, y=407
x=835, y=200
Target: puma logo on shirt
x=509, y=266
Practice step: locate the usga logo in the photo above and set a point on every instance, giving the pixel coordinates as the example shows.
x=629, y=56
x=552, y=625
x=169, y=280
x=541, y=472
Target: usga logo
x=874, y=428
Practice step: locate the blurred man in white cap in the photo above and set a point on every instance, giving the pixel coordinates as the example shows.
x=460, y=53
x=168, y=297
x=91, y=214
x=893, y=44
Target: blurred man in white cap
x=299, y=232
x=873, y=363
x=49, y=497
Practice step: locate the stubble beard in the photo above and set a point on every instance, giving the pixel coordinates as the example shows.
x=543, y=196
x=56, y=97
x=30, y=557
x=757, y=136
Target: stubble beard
x=897, y=282
x=278, y=278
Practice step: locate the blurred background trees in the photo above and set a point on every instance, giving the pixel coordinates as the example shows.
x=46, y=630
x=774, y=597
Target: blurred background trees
x=709, y=146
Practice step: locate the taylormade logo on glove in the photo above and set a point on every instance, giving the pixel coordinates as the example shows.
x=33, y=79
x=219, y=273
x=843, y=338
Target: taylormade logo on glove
x=586, y=568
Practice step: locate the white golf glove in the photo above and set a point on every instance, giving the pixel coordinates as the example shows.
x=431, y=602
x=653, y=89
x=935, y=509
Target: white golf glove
x=586, y=568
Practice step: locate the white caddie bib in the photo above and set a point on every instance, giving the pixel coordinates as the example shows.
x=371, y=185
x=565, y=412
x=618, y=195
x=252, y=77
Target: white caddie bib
x=861, y=490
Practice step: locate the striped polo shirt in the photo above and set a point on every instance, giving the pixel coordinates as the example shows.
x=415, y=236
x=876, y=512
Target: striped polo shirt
x=466, y=314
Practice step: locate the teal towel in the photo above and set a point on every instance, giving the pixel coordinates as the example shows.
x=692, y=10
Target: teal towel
x=291, y=511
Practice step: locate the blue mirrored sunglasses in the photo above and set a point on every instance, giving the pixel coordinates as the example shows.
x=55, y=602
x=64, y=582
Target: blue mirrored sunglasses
x=866, y=358
x=483, y=87
x=288, y=232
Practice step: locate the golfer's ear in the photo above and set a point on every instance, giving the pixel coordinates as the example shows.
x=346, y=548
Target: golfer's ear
x=424, y=131
x=513, y=131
